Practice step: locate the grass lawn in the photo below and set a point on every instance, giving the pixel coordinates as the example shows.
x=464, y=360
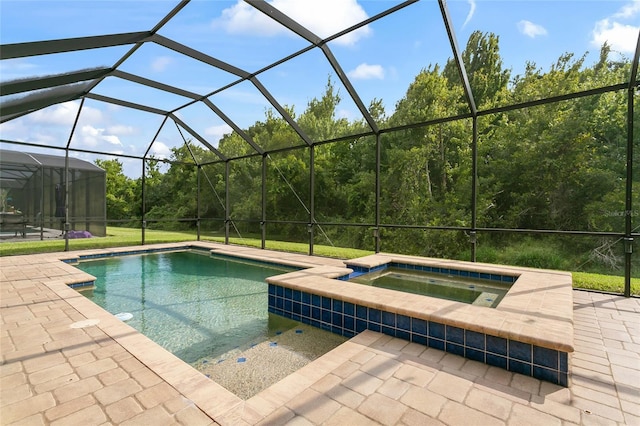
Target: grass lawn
x=119, y=237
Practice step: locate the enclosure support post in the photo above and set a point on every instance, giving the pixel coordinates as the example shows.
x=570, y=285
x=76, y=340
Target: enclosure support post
x=144, y=222
x=376, y=232
x=474, y=187
x=263, y=214
x=199, y=171
x=66, y=179
x=312, y=181
x=66, y=199
x=227, y=216
x=41, y=202
x=628, y=239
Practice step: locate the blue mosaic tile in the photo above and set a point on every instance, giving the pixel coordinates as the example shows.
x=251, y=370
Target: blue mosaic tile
x=421, y=340
x=326, y=316
x=296, y=308
x=272, y=289
x=337, y=305
x=279, y=291
x=455, y=335
x=419, y=326
x=563, y=379
x=496, y=345
x=336, y=330
x=474, y=340
x=361, y=312
x=545, y=357
x=296, y=317
x=349, y=323
x=403, y=322
x=336, y=319
x=401, y=334
x=288, y=293
x=496, y=361
x=315, y=300
x=454, y=349
x=288, y=305
x=388, y=319
x=306, y=298
x=519, y=367
x=464, y=273
x=297, y=296
x=389, y=331
x=279, y=303
x=272, y=300
x=349, y=308
x=436, y=344
x=564, y=362
x=316, y=313
x=374, y=326
x=436, y=330
x=326, y=302
x=520, y=351
x=474, y=354
x=545, y=374
x=375, y=315
x=305, y=310
x=361, y=325
x=349, y=334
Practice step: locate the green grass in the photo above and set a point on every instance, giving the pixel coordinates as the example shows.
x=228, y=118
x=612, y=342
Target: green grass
x=601, y=282
x=119, y=237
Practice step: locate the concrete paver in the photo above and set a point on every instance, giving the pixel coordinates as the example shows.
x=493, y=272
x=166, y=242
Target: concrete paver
x=64, y=363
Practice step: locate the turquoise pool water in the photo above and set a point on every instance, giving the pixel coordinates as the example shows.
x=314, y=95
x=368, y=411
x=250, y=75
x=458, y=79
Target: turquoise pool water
x=194, y=305
x=466, y=290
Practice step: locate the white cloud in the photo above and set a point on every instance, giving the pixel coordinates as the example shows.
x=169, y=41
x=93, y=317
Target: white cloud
x=365, y=71
x=322, y=17
x=217, y=132
x=99, y=138
x=60, y=114
x=621, y=36
x=472, y=10
x=160, y=150
x=530, y=29
x=120, y=129
x=161, y=63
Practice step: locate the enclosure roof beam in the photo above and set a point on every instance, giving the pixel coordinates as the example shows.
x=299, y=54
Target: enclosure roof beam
x=36, y=83
x=127, y=104
x=303, y=32
x=155, y=84
x=197, y=136
x=446, y=18
x=196, y=54
x=35, y=48
x=282, y=111
x=248, y=139
x=44, y=99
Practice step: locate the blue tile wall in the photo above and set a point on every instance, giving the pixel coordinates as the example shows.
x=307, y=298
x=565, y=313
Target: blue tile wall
x=349, y=319
x=359, y=270
x=83, y=284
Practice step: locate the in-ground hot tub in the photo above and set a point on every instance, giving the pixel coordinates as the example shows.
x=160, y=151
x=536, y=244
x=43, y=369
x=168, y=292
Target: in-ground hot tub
x=530, y=331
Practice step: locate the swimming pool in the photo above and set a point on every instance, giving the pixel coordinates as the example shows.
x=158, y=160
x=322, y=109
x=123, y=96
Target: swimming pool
x=207, y=311
x=477, y=292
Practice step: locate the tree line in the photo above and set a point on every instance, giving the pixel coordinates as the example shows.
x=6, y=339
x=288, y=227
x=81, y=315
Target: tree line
x=556, y=166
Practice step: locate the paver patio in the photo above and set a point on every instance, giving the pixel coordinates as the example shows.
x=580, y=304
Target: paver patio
x=66, y=361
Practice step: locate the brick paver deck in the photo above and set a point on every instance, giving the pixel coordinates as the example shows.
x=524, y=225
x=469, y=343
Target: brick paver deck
x=67, y=362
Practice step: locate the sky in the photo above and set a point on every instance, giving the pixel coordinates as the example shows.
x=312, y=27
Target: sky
x=380, y=59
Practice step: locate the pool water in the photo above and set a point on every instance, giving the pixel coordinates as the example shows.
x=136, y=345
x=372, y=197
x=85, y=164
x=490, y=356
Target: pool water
x=466, y=290
x=203, y=309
